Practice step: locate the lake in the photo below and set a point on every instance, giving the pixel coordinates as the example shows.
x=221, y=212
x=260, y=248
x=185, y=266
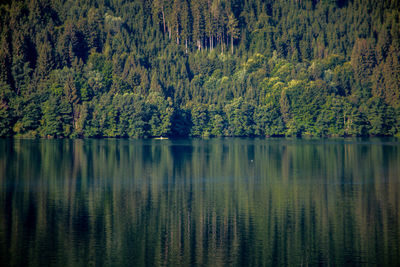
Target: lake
x=217, y=202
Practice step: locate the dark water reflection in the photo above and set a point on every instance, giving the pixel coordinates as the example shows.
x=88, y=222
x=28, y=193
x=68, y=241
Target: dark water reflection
x=219, y=202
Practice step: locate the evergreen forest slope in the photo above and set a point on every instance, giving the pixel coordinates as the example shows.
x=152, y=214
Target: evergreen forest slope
x=142, y=68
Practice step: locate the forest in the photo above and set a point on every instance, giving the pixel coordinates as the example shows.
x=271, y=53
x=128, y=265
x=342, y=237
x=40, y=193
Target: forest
x=201, y=68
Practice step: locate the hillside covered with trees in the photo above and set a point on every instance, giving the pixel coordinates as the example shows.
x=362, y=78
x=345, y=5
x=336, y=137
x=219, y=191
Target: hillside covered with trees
x=142, y=68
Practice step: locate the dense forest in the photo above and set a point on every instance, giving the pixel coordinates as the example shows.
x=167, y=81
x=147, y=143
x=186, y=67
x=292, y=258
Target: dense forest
x=119, y=68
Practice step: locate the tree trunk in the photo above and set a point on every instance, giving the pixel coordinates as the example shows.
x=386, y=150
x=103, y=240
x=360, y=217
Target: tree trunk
x=169, y=32
x=222, y=44
x=163, y=18
x=232, y=43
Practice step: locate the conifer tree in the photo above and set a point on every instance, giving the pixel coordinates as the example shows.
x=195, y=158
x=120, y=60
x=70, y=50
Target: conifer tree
x=233, y=30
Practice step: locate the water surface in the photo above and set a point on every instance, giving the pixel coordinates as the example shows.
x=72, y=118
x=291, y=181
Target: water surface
x=218, y=202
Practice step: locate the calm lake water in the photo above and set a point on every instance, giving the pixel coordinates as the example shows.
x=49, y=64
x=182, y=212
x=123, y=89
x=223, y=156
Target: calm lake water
x=217, y=202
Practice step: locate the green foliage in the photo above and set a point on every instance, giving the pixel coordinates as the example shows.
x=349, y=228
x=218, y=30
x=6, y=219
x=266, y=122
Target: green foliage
x=200, y=120
x=6, y=116
x=139, y=69
x=51, y=121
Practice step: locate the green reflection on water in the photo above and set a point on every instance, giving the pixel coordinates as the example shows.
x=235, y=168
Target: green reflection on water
x=211, y=202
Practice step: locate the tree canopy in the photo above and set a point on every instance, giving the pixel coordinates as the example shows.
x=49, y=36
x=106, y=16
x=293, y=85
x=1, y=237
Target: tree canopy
x=147, y=68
